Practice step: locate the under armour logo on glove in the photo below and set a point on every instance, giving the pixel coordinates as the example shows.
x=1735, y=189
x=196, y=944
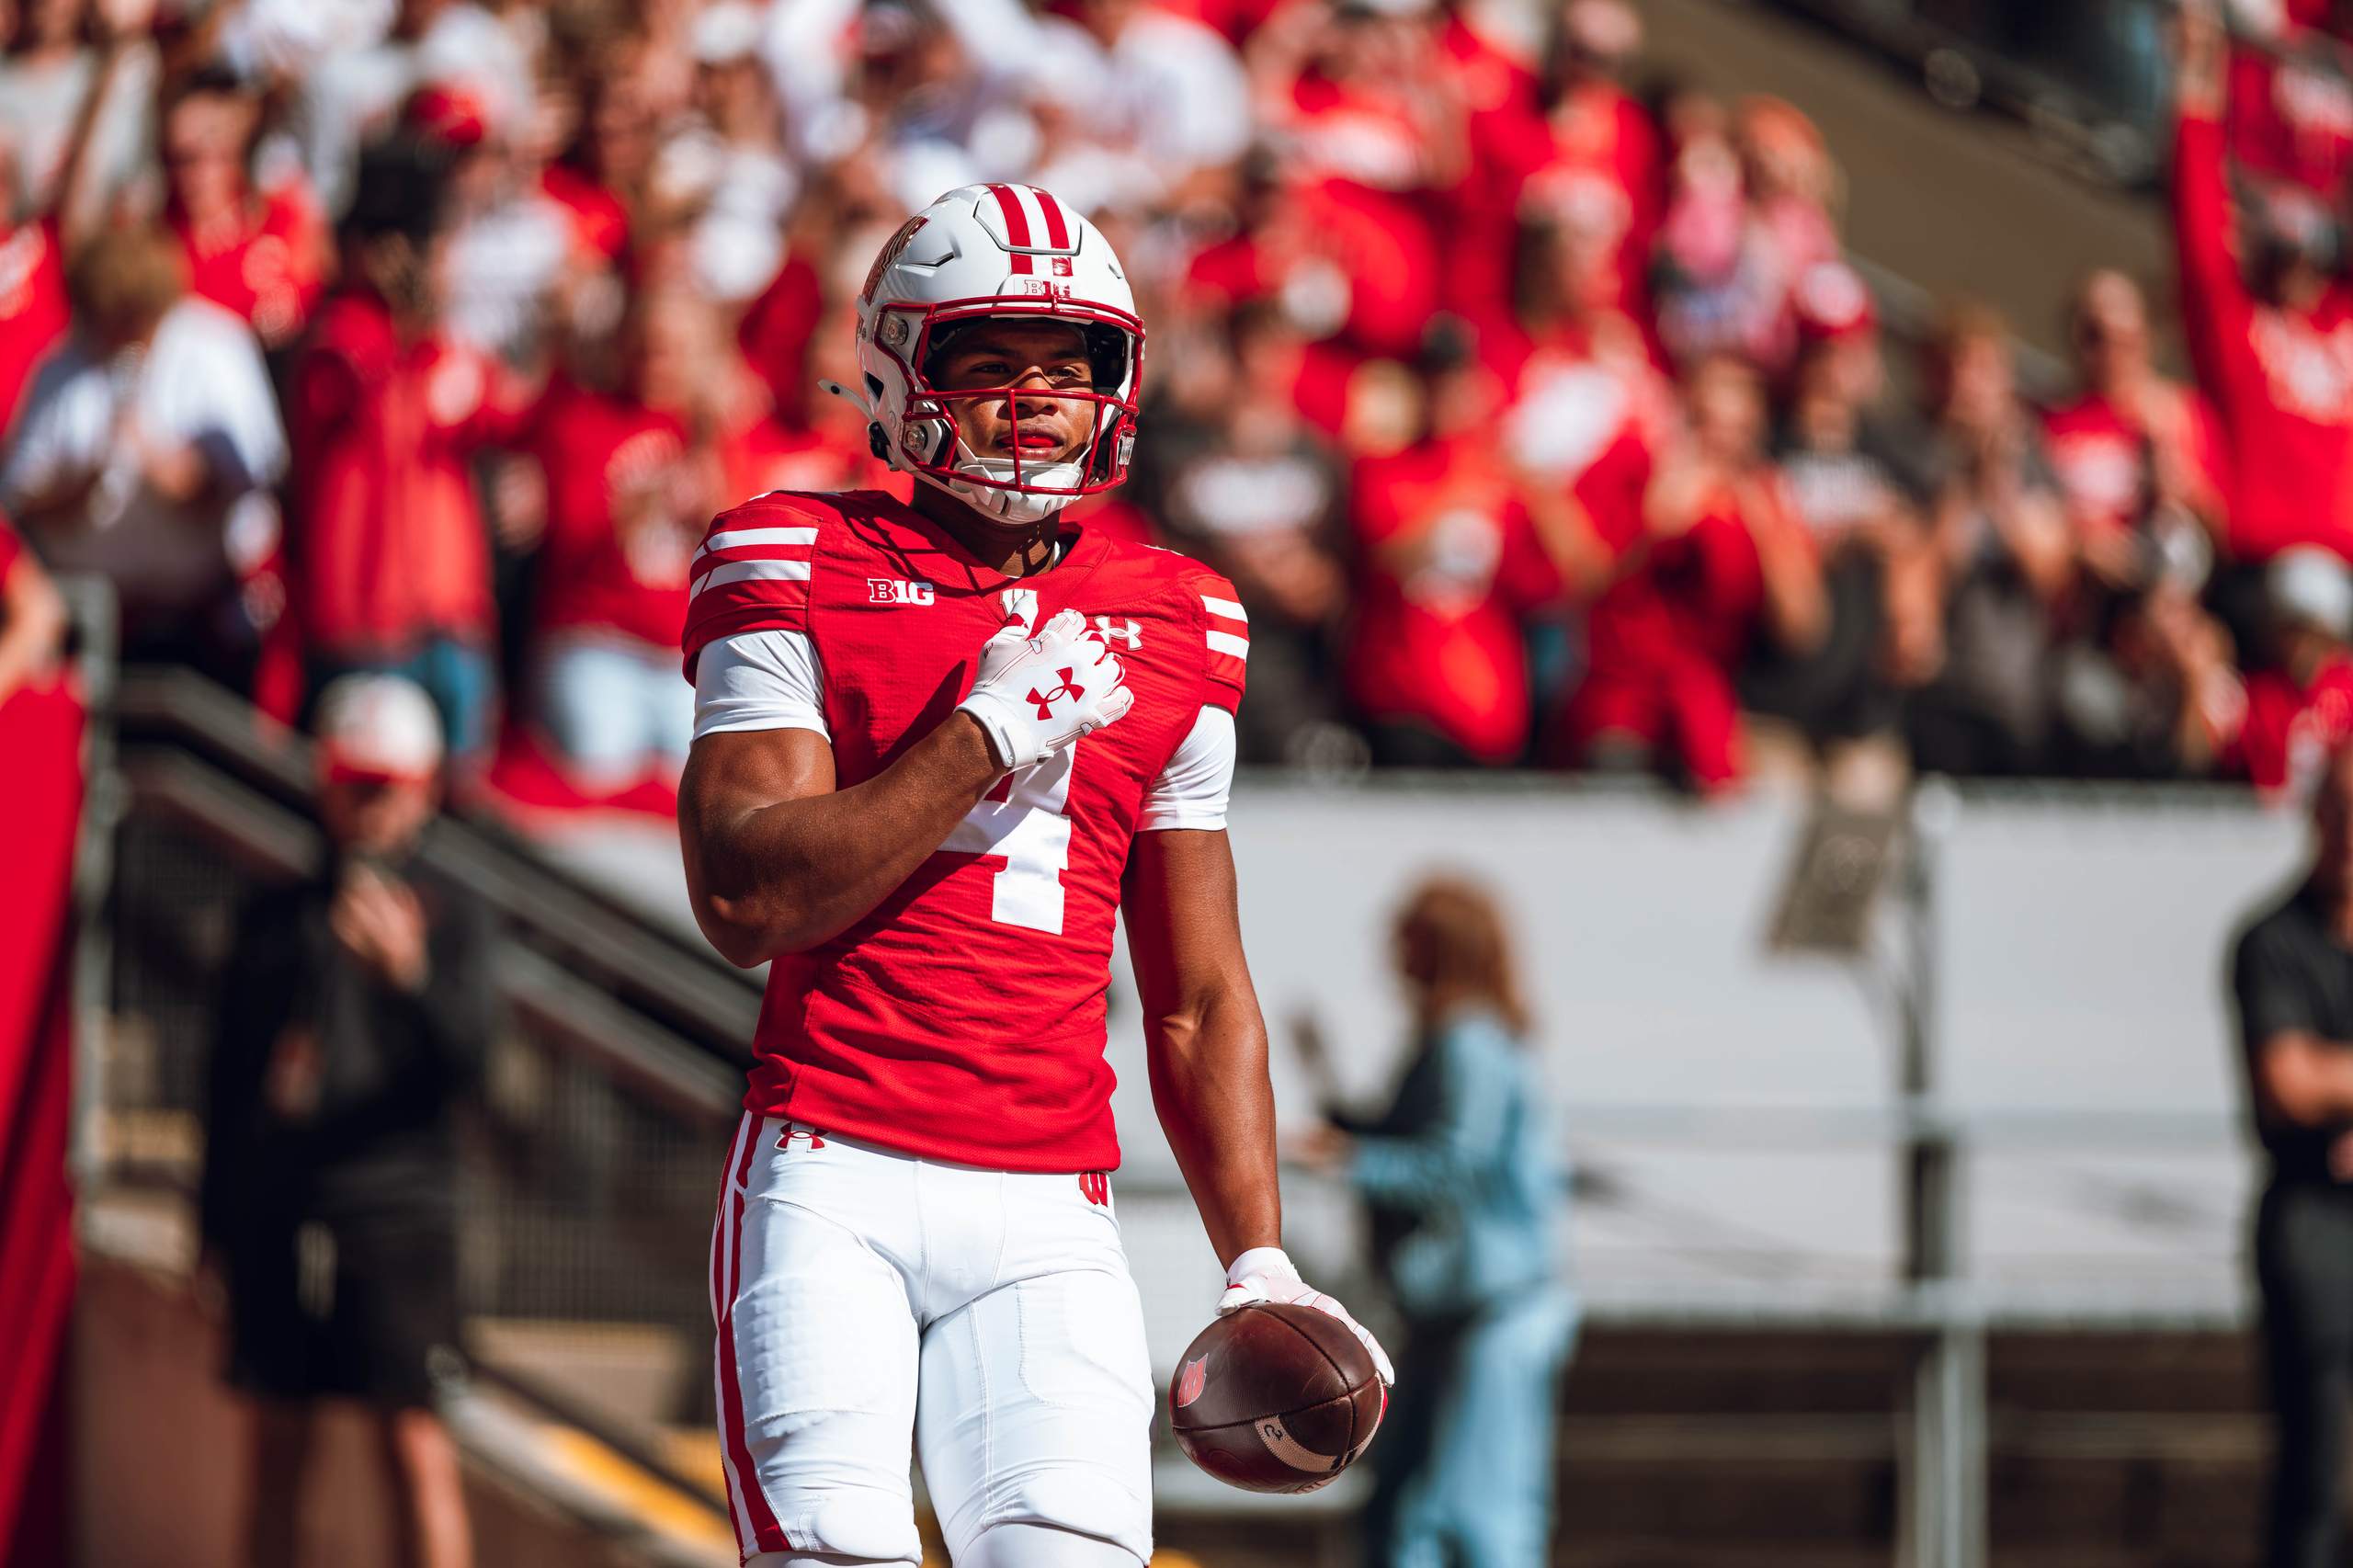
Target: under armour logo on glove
x=1046, y=702
x=1074, y=687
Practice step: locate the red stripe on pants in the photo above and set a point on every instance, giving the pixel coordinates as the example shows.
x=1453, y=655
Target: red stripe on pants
x=767, y=1534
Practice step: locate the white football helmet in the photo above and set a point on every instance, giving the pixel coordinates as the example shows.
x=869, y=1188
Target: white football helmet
x=1001, y=251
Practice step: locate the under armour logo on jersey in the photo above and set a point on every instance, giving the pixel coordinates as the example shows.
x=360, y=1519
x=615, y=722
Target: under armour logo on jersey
x=897, y=591
x=1126, y=633
x=784, y=1139
x=1095, y=1188
x=1047, y=699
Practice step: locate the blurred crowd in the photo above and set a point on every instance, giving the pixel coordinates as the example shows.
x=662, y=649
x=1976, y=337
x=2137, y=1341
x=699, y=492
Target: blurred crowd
x=1524, y=394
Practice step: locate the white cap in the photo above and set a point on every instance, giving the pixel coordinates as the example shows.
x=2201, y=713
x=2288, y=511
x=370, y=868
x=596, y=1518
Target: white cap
x=378, y=726
x=2310, y=587
x=727, y=31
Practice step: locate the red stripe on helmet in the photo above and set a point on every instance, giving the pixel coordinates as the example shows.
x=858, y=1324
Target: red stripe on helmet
x=1017, y=224
x=1057, y=229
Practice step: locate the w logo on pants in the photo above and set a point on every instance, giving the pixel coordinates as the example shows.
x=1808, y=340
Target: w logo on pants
x=1095, y=1188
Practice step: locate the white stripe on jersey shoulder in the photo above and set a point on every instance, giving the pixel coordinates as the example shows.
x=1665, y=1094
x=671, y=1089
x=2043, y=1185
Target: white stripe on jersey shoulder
x=1227, y=643
x=753, y=571
x=730, y=539
x=1224, y=609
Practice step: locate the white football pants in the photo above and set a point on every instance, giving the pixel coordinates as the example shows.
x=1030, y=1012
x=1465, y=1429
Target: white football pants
x=864, y=1296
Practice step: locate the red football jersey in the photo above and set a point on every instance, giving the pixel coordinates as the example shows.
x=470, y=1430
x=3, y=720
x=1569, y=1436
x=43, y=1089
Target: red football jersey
x=962, y=1018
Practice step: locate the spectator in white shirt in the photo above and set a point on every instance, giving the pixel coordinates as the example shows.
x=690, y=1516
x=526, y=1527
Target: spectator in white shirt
x=147, y=449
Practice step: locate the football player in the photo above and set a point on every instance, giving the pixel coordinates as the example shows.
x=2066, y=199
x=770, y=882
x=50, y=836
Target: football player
x=938, y=748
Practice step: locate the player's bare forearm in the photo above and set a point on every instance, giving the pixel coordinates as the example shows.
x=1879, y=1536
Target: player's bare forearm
x=779, y=861
x=1209, y=1084
x=1204, y=1036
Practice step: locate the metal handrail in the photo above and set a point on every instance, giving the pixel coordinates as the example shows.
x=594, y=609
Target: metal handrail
x=711, y=1004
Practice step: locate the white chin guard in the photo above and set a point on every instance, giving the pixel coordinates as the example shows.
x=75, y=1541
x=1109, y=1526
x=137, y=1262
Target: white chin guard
x=1017, y=507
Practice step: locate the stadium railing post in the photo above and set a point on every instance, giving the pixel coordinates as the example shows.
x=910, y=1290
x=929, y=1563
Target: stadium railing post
x=1944, y=1481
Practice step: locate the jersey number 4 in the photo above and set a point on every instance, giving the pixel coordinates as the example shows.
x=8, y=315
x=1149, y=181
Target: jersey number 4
x=1023, y=821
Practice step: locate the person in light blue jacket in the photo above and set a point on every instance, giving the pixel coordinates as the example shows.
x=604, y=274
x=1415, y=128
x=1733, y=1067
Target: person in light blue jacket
x=1467, y=1193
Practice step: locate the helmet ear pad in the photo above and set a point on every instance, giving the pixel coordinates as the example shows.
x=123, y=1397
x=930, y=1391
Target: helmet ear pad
x=1111, y=451
x=877, y=442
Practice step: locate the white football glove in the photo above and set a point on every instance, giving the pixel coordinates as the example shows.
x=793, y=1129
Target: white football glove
x=1268, y=1273
x=1033, y=696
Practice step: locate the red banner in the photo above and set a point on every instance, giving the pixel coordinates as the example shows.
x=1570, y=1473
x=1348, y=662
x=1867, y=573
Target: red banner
x=41, y=808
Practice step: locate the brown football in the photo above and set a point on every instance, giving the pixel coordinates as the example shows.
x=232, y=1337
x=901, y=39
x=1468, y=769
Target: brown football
x=1275, y=1398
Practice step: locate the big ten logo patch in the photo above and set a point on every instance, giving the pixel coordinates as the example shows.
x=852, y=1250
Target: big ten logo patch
x=897, y=591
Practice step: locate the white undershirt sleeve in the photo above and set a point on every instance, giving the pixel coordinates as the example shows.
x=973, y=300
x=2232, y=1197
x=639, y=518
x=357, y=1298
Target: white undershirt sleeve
x=1192, y=790
x=759, y=680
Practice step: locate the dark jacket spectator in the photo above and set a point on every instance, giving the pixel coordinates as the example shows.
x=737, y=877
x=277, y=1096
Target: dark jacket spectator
x=356, y=1011
x=2291, y=985
x=1997, y=531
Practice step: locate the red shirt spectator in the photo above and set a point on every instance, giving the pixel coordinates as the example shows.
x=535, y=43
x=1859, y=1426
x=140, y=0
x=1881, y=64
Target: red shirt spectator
x=1369, y=131
x=261, y=256
x=2292, y=112
x=627, y=503
x=2102, y=454
x=261, y=261
x=1599, y=166
x=33, y=310
x=389, y=546
x=1662, y=645
x=1585, y=417
x=1727, y=560
x=1449, y=561
x=2292, y=728
x=632, y=480
x=777, y=333
x=2300, y=710
x=2281, y=376
x=2132, y=443
x=621, y=524
x=1579, y=152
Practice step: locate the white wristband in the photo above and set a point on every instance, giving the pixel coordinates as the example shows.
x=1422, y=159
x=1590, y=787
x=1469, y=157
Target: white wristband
x=990, y=717
x=1272, y=1262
